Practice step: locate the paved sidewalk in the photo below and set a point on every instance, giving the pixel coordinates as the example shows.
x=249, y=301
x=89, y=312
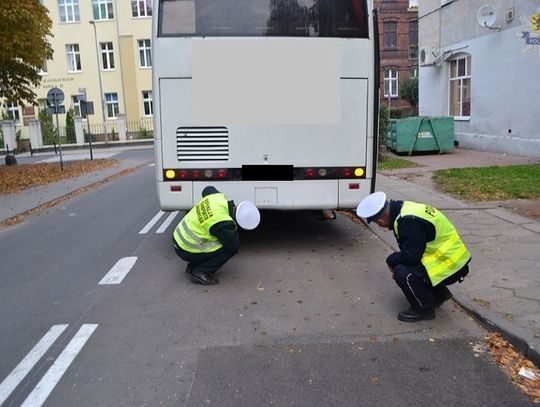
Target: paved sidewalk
x=16, y=204
x=503, y=287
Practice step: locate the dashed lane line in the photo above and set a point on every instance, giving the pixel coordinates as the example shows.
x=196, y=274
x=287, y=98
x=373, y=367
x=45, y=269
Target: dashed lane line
x=25, y=366
x=48, y=382
x=119, y=271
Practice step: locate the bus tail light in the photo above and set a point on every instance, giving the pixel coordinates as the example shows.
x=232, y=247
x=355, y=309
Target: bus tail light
x=176, y=188
x=346, y=172
x=183, y=174
x=354, y=186
x=221, y=173
x=310, y=172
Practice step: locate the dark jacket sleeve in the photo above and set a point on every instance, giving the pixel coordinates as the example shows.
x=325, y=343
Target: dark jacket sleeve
x=227, y=234
x=414, y=234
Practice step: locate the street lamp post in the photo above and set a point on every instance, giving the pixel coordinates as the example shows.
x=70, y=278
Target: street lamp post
x=103, y=105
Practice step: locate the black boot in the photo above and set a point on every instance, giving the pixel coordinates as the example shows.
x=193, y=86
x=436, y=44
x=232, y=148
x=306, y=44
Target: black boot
x=189, y=269
x=204, y=279
x=441, y=299
x=412, y=315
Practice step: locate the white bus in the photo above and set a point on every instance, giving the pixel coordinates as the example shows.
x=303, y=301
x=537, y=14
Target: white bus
x=273, y=101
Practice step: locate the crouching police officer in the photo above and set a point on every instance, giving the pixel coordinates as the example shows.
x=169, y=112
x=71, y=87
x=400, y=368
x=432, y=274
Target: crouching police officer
x=207, y=237
x=431, y=255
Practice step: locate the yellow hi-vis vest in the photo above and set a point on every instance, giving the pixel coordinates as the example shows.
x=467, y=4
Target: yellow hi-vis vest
x=446, y=254
x=193, y=232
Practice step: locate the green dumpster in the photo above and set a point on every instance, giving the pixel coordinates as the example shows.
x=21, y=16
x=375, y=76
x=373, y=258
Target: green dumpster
x=415, y=134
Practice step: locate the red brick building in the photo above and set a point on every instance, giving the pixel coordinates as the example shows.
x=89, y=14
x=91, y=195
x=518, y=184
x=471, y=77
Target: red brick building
x=398, y=43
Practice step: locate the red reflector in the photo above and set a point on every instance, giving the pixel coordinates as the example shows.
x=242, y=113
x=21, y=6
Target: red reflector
x=182, y=174
x=347, y=172
x=354, y=186
x=221, y=173
x=310, y=172
x=176, y=188
x=196, y=174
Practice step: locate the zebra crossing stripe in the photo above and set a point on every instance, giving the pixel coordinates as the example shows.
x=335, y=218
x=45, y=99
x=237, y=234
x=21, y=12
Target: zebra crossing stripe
x=59, y=367
x=152, y=222
x=167, y=222
x=26, y=365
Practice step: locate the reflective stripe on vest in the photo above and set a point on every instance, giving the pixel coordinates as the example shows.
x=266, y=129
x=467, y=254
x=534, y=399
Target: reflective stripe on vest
x=192, y=234
x=200, y=246
x=446, y=254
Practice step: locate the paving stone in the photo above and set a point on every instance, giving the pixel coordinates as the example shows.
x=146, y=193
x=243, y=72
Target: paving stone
x=513, y=283
x=530, y=292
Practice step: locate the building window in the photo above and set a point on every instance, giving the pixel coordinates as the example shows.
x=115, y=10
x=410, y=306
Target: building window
x=103, y=9
x=460, y=87
x=13, y=111
x=391, y=83
x=73, y=57
x=141, y=8
x=413, y=72
x=145, y=54
x=390, y=34
x=413, y=39
x=76, y=104
x=69, y=11
x=111, y=100
x=43, y=70
x=107, y=56
x=148, y=103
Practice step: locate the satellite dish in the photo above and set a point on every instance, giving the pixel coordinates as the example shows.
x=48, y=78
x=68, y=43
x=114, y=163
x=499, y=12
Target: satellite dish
x=486, y=16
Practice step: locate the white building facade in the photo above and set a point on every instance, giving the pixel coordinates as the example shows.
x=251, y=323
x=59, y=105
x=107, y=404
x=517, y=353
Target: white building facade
x=480, y=63
x=102, y=47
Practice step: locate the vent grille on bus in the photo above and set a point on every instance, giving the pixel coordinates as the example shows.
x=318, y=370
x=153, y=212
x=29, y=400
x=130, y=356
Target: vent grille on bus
x=202, y=143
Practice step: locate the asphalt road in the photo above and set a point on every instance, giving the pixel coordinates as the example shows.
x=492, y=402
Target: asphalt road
x=305, y=315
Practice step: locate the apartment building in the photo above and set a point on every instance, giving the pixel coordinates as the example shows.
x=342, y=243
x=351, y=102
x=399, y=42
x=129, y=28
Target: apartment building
x=398, y=43
x=102, y=48
x=479, y=62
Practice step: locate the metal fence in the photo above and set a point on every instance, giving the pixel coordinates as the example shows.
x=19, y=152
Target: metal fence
x=142, y=129
x=135, y=130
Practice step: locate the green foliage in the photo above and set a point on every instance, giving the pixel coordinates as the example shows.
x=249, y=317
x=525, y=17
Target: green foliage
x=47, y=127
x=70, y=127
x=491, y=183
x=143, y=133
x=396, y=113
x=408, y=90
x=24, y=28
x=392, y=163
x=384, y=127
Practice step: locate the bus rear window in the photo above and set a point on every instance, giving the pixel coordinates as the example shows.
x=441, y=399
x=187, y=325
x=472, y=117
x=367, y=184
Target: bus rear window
x=264, y=18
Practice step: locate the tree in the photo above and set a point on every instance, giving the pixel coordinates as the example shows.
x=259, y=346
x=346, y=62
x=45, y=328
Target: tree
x=47, y=127
x=24, y=48
x=408, y=90
x=70, y=127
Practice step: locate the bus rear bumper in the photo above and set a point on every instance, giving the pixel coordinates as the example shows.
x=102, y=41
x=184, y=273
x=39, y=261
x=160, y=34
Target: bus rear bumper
x=284, y=195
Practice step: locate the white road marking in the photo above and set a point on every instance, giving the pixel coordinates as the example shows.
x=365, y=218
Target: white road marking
x=150, y=224
x=59, y=367
x=119, y=271
x=21, y=370
x=167, y=222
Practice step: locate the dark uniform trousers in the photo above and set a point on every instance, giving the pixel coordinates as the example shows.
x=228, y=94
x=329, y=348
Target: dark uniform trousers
x=416, y=285
x=206, y=263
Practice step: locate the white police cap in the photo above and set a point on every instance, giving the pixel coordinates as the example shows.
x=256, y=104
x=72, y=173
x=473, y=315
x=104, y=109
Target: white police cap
x=247, y=215
x=371, y=206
